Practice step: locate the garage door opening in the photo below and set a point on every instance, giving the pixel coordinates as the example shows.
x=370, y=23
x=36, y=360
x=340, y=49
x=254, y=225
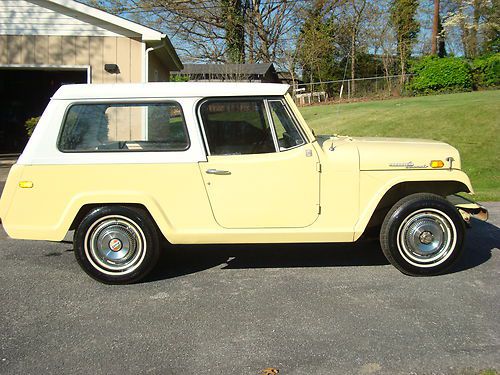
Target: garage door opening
x=24, y=93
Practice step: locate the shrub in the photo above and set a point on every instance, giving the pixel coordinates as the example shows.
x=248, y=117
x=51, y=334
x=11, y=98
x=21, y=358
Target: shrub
x=30, y=124
x=486, y=71
x=178, y=78
x=433, y=74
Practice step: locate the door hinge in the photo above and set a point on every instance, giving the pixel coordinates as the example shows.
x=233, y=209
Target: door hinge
x=319, y=209
x=318, y=167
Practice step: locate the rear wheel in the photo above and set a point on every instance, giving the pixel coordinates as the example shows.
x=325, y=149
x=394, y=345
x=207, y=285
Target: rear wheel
x=423, y=234
x=117, y=244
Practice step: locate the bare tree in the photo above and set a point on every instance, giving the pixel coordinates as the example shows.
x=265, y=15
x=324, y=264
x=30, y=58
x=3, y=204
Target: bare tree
x=269, y=23
x=382, y=38
x=216, y=30
x=357, y=10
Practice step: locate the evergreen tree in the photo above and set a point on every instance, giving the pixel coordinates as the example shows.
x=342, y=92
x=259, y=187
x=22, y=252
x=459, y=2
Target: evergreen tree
x=403, y=18
x=234, y=30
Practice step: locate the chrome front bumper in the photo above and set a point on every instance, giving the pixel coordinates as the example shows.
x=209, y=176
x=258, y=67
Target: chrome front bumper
x=468, y=208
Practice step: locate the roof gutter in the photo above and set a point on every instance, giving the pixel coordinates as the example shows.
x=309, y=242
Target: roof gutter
x=170, y=50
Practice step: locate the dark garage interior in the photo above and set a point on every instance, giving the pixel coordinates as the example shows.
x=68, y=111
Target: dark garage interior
x=24, y=93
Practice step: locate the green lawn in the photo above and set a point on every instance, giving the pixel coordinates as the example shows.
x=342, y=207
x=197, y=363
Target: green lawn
x=468, y=121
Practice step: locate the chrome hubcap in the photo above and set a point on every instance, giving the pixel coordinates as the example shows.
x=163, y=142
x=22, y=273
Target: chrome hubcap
x=426, y=238
x=115, y=245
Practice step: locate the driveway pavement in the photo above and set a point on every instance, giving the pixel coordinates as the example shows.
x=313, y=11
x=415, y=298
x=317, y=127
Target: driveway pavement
x=304, y=309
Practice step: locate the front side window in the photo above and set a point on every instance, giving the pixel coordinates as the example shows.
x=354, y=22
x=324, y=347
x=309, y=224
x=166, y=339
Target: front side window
x=286, y=131
x=124, y=127
x=237, y=127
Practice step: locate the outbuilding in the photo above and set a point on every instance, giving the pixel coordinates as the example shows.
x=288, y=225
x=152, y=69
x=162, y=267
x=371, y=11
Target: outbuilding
x=47, y=43
x=262, y=72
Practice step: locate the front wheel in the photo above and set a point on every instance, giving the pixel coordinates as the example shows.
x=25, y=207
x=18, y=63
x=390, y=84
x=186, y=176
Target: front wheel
x=423, y=234
x=116, y=244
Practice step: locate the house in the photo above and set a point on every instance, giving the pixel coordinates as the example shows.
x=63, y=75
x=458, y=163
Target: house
x=289, y=79
x=47, y=43
x=229, y=72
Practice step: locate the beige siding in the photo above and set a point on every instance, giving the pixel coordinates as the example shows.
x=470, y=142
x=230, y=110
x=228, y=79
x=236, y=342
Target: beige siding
x=42, y=50
x=97, y=59
x=82, y=50
x=14, y=49
x=28, y=55
x=123, y=58
x=109, y=56
x=95, y=51
x=55, y=50
x=136, y=62
x=69, y=50
x=158, y=72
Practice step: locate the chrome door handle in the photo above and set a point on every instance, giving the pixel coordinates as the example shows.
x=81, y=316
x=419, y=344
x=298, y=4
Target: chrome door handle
x=217, y=171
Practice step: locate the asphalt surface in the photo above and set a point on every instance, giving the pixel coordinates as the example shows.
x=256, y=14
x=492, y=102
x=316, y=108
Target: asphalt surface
x=303, y=309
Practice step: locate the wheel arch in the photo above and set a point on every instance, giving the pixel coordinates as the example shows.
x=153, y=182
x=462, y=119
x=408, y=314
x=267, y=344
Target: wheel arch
x=374, y=215
x=149, y=208
x=86, y=208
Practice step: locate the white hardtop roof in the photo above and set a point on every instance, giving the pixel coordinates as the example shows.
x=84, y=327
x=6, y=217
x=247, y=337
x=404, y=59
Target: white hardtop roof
x=168, y=90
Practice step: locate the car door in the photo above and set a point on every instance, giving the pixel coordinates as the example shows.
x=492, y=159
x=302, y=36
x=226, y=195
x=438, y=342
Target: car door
x=261, y=172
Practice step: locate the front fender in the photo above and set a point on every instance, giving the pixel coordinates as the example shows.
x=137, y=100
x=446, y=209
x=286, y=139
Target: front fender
x=375, y=184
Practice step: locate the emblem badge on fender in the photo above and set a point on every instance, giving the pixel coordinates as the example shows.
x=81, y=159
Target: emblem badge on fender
x=408, y=165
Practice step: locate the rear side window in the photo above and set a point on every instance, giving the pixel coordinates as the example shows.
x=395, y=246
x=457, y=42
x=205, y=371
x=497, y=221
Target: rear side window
x=124, y=127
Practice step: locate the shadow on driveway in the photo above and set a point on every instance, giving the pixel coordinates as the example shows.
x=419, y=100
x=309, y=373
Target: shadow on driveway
x=186, y=259
x=482, y=239
x=176, y=261
x=181, y=260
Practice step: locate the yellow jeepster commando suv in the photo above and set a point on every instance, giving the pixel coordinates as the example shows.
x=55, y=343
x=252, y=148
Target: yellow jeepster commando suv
x=129, y=166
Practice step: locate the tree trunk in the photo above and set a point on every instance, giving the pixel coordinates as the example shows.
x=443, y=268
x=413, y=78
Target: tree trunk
x=353, y=59
x=402, y=55
x=435, y=29
x=475, y=28
x=251, y=36
x=235, y=32
x=441, y=47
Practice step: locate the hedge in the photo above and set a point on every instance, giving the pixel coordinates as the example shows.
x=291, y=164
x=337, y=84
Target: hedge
x=486, y=71
x=434, y=74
